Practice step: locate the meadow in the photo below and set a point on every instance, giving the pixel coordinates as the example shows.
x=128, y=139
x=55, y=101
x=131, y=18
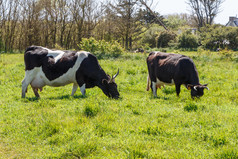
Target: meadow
x=135, y=126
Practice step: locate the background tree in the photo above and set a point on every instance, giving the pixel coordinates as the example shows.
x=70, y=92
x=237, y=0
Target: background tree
x=204, y=11
x=124, y=12
x=146, y=17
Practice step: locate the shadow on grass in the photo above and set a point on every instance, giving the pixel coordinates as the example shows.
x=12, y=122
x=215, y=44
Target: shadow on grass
x=35, y=99
x=159, y=97
x=68, y=97
x=30, y=99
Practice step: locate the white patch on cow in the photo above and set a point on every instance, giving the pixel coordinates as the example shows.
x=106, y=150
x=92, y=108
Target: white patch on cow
x=38, y=79
x=83, y=89
x=161, y=83
x=57, y=54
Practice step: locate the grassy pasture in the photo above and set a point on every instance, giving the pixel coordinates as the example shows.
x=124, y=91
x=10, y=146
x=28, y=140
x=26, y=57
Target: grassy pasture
x=135, y=126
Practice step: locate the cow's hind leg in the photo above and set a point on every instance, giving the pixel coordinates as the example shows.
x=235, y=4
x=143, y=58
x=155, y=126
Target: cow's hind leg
x=75, y=87
x=148, y=83
x=154, y=89
x=35, y=90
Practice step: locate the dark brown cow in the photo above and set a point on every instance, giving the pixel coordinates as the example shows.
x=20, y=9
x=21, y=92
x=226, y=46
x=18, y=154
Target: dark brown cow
x=169, y=69
x=58, y=68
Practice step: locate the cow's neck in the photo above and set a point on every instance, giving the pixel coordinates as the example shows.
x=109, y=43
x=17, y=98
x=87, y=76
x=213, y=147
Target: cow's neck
x=194, y=80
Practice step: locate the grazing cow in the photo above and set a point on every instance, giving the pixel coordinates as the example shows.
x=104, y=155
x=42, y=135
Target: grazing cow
x=58, y=68
x=169, y=69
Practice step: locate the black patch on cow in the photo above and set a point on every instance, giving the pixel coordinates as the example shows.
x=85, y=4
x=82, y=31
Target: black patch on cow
x=54, y=70
x=90, y=72
x=36, y=56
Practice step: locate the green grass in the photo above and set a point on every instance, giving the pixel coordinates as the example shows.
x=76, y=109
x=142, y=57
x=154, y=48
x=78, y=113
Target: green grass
x=135, y=126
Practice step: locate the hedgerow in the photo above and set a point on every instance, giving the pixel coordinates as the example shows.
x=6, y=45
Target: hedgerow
x=101, y=48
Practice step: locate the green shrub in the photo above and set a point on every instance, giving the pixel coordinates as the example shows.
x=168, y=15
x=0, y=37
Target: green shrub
x=165, y=37
x=216, y=36
x=101, y=48
x=149, y=37
x=187, y=40
x=212, y=37
x=232, y=37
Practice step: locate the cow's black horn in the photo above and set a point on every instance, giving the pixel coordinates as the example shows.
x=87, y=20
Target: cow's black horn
x=116, y=74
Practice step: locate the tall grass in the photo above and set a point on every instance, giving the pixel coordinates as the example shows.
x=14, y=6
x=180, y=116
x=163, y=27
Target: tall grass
x=135, y=126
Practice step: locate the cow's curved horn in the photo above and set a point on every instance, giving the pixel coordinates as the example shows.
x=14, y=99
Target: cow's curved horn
x=205, y=86
x=116, y=74
x=195, y=88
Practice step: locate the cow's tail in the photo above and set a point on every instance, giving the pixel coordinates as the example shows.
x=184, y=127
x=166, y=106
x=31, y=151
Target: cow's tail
x=148, y=83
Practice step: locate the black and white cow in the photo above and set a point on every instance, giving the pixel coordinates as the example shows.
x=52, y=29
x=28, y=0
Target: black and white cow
x=169, y=69
x=58, y=68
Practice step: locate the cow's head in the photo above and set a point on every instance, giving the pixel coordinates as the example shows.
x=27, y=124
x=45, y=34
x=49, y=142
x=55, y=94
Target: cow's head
x=197, y=90
x=110, y=87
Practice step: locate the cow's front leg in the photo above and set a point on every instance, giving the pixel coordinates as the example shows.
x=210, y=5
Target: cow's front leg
x=75, y=87
x=29, y=76
x=24, y=88
x=83, y=89
x=154, y=88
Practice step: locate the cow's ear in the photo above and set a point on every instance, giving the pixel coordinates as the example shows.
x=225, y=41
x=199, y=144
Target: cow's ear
x=189, y=86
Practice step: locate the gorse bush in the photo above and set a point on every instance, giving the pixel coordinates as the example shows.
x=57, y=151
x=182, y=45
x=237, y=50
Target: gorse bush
x=187, y=40
x=101, y=48
x=232, y=36
x=213, y=37
x=217, y=36
x=149, y=37
x=165, y=37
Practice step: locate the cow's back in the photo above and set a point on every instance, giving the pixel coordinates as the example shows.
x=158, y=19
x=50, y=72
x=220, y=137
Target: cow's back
x=165, y=66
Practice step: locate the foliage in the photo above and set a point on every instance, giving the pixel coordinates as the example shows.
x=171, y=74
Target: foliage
x=175, y=21
x=187, y=40
x=64, y=24
x=164, y=38
x=101, y=48
x=124, y=16
x=232, y=37
x=146, y=17
x=149, y=37
x=217, y=36
x=212, y=37
x=135, y=126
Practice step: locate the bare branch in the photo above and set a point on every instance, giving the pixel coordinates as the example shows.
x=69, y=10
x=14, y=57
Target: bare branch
x=147, y=7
